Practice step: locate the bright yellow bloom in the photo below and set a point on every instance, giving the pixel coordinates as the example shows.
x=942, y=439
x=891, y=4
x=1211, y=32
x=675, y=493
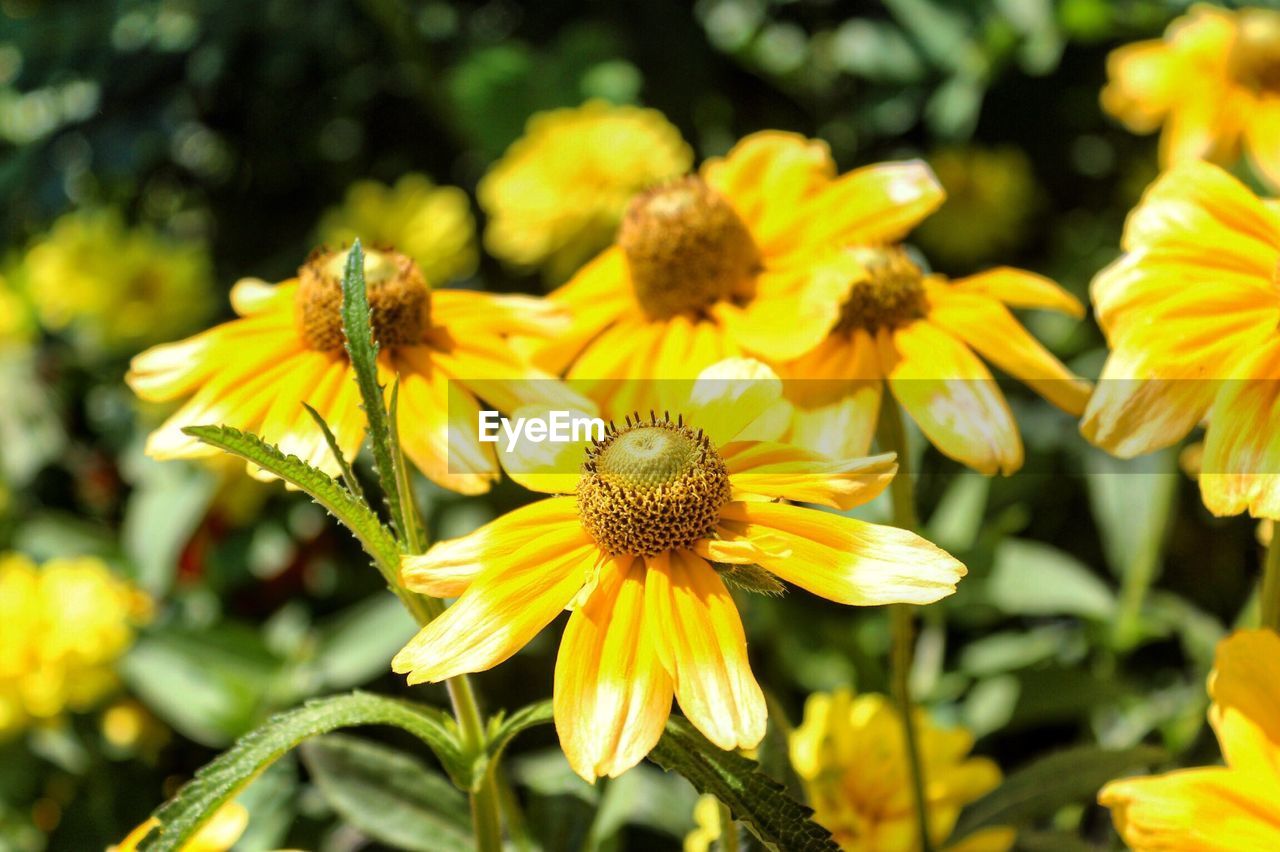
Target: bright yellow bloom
x=708, y=825
x=1212, y=82
x=219, y=834
x=431, y=224
x=1191, y=313
x=254, y=373
x=62, y=627
x=851, y=754
x=725, y=262
x=557, y=195
x=656, y=517
x=111, y=287
x=1220, y=808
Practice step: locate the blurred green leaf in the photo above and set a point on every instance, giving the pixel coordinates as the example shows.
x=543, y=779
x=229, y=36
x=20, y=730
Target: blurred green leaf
x=272, y=804
x=31, y=434
x=357, y=644
x=645, y=797
x=165, y=508
x=1032, y=578
x=390, y=796
x=956, y=521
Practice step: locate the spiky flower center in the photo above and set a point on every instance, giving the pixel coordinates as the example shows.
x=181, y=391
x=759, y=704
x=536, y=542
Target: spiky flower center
x=1254, y=58
x=889, y=293
x=687, y=249
x=399, y=299
x=651, y=486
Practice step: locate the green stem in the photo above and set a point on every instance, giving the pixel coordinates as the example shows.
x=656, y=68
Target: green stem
x=893, y=437
x=1271, y=583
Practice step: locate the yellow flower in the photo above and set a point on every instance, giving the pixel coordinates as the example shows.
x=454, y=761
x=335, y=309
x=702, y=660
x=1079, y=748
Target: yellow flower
x=114, y=288
x=724, y=263
x=1212, y=82
x=16, y=326
x=431, y=224
x=990, y=194
x=557, y=195
x=706, y=817
x=1218, y=808
x=62, y=627
x=850, y=752
x=1191, y=313
x=657, y=516
x=446, y=346
x=219, y=834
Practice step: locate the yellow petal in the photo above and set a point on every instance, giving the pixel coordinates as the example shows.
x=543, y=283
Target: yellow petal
x=789, y=472
x=995, y=839
x=1262, y=138
x=873, y=205
x=463, y=312
x=846, y=560
x=251, y=296
x=612, y=695
x=489, y=369
x=549, y=467
x=698, y=634
x=1018, y=288
x=729, y=398
x=1240, y=469
x=810, y=313
x=835, y=392
x=1245, y=688
x=595, y=297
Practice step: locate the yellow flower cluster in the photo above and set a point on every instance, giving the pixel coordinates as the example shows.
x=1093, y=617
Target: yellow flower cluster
x=63, y=625
x=113, y=288
x=429, y=223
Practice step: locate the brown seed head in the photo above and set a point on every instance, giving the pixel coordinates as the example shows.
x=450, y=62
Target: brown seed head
x=889, y=295
x=399, y=299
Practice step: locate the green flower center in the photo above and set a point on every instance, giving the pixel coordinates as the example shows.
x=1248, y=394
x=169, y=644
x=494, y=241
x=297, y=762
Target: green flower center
x=890, y=293
x=399, y=299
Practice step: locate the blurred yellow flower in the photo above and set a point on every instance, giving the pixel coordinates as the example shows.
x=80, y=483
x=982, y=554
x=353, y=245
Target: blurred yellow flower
x=1212, y=82
x=1191, y=313
x=1218, y=808
x=431, y=224
x=62, y=627
x=219, y=834
x=990, y=194
x=17, y=326
x=706, y=818
x=850, y=752
x=557, y=195
x=446, y=346
x=114, y=288
x=653, y=520
x=724, y=262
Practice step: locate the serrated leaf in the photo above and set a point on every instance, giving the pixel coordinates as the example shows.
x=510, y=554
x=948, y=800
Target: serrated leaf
x=323, y=488
x=503, y=730
x=348, y=475
x=390, y=796
x=219, y=781
x=1050, y=783
x=779, y=821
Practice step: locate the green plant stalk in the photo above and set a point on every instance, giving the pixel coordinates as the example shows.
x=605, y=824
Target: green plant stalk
x=893, y=437
x=1271, y=584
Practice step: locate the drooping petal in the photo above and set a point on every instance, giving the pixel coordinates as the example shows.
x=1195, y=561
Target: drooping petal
x=612, y=695
x=1018, y=288
x=873, y=205
x=1245, y=688
x=1262, y=138
x=835, y=393
x=491, y=314
x=731, y=397
x=698, y=634
x=788, y=472
x=846, y=560
x=1241, y=465
x=250, y=296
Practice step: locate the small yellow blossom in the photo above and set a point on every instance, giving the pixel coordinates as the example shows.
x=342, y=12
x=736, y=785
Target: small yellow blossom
x=990, y=192
x=429, y=223
x=219, y=834
x=114, y=288
x=557, y=195
x=706, y=814
x=16, y=323
x=62, y=627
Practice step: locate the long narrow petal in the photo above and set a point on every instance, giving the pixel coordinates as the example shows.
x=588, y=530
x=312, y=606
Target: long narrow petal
x=873, y=205
x=1018, y=288
x=1245, y=688
x=612, y=695
x=1241, y=466
x=700, y=641
x=835, y=392
x=596, y=297
x=846, y=560
x=793, y=473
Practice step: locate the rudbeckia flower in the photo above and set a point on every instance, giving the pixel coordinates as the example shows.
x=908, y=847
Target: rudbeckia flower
x=1212, y=82
x=1217, y=808
x=850, y=753
x=1191, y=313
x=286, y=348
x=648, y=525
x=721, y=263
x=925, y=337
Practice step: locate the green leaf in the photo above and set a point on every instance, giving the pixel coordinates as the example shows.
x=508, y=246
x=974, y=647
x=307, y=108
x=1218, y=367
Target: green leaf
x=390, y=796
x=1050, y=783
x=363, y=351
x=166, y=506
x=1032, y=578
x=779, y=821
x=324, y=489
x=219, y=781
x=503, y=730
x=357, y=644
x=348, y=475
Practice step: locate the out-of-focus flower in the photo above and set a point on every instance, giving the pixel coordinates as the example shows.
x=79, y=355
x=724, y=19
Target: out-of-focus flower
x=726, y=262
x=130, y=728
x=1219, y=808
x=706, y=818
x=654, y=519
x=17, y=325
x=1212, y=83
x=113, y=288
x=557, y=195
x=62, y=627
x=431, y=224
x=1191, y=313
x=219, y=834
x=990, y=193
x=850, y=752
x=447, y=347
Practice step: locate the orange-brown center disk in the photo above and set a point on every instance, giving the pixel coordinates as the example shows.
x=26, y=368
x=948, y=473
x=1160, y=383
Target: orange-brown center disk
x=686, y=249
x=1254, y=59
x=890, y=293
x=651, y=487
x=399, y=299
